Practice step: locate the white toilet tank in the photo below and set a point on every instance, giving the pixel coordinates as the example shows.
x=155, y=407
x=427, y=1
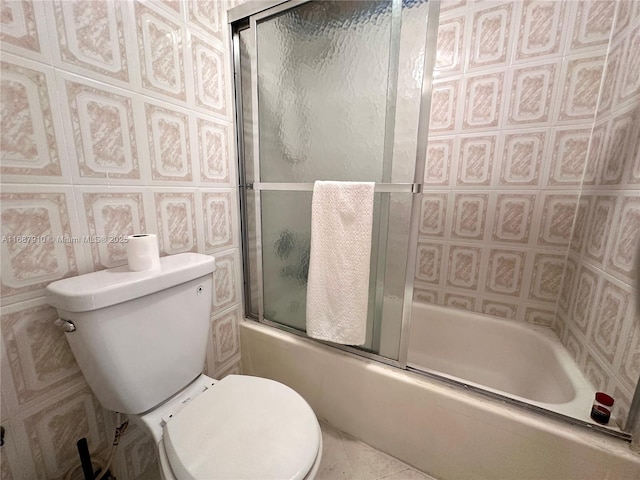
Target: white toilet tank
x=139, y=337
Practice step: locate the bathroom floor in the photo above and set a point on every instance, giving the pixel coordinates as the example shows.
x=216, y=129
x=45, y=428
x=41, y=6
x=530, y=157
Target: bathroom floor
x=345, y=458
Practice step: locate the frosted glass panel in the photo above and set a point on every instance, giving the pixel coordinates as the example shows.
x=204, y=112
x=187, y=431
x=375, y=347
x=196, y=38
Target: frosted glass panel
x=285, y=255
x=322, y=91
x=285, y=259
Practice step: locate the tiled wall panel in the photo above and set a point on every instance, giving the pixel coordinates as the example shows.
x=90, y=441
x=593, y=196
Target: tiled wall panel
x=513, y=106
x=531, y=199
x=603, y=313
x=116, y=119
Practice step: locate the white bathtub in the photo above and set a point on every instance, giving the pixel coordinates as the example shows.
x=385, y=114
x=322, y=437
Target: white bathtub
x=521, y=361
x=443, y=430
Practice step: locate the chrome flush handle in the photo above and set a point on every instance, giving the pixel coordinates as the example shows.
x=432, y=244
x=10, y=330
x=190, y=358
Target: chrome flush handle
x=65, y=325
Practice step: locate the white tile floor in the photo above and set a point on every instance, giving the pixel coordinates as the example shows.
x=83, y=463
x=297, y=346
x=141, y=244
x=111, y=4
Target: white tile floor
x=345, y=458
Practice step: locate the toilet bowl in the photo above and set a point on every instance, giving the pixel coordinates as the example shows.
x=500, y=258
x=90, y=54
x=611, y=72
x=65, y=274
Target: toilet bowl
x=240, y=427
x=140, y=339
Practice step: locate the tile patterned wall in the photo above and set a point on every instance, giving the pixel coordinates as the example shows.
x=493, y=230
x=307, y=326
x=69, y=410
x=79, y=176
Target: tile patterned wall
x=515, y=92
x=517, y=156
x=116, y=119
x=597, y=318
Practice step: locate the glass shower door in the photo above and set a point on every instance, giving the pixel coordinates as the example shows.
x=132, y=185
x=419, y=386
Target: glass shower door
x=318, y=82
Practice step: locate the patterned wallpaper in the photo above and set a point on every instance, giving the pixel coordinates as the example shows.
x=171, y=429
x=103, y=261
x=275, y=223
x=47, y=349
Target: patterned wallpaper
x=516, y=155
x=116, y=119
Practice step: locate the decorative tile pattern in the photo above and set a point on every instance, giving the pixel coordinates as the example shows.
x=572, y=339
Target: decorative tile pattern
x=531, y=94
x=28, y=140
x=469, y=215
x=438, y=164
x=39, y=360
x=630, y=366
x=581, y=87
x=31, y=256
x=461, y=302
x=580, y=224
x=168, y=136
x=540, y=29
x=568, y=280
x=593, y=23
x=570, y=149
x=583, y=298
x=424, y=295
x=176, y=218
x=531, y=76
x=213, y=144
x=476, y=159
x=539, y=316
x=207, y=14
x=225, y=338
x=483, y=100
x=612, y=303
x=453, y=6
x=595, y=372
x=608, y=90
x=53, y=431
x=175, y=6
x=218, y=220
x=574, y=345
x=463, y=267
x=103, y=131
x=506, y=268
x=91, y=35
x=557, y=219
x=598, y=137
x=444, y=99
x=18, y=25
x=137, y=456
x=450, y=56
x=629, y=69
x=433, y=215
x=612, y=163
x=161, y=50
x=429, y=258
x=208, y=63
x=113, y=216
x=500, y=309
x=522, y=158
x=491, y=30
x=625, y=242
x=513, y=217
x=225, y=283
x=546, y=277
x=97, y=95
x=600, y=227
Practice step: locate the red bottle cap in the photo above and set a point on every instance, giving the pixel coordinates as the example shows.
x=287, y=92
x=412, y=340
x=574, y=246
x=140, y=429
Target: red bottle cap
x=604, y=399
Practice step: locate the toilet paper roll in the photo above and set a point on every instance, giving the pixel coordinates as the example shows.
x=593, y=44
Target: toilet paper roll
x=142, y=252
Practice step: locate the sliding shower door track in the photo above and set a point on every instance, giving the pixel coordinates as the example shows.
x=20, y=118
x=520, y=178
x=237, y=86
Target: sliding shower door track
x=521, y=404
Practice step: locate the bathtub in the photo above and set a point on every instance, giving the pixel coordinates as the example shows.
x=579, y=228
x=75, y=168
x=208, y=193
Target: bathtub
x=443, y=430
x=524, y=362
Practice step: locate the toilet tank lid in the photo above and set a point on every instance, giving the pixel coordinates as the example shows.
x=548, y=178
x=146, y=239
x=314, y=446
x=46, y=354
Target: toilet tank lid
x=92, y=291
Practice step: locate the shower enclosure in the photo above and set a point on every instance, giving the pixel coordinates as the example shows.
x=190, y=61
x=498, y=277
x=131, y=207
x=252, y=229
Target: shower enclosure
x=334, y=90
x=320, y=101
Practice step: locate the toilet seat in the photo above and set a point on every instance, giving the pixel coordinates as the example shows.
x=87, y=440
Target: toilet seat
x=243, y=428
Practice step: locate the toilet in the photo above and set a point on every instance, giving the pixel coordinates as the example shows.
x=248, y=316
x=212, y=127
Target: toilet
x=140, y=338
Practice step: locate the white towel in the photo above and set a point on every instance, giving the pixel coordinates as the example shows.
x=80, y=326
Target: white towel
x=338, y=285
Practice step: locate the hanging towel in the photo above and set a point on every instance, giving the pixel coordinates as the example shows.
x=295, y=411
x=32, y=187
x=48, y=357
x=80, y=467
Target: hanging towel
x=338, y=285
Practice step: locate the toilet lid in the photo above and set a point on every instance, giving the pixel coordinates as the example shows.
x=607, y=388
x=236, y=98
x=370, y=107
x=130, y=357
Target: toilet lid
x=243, y=428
